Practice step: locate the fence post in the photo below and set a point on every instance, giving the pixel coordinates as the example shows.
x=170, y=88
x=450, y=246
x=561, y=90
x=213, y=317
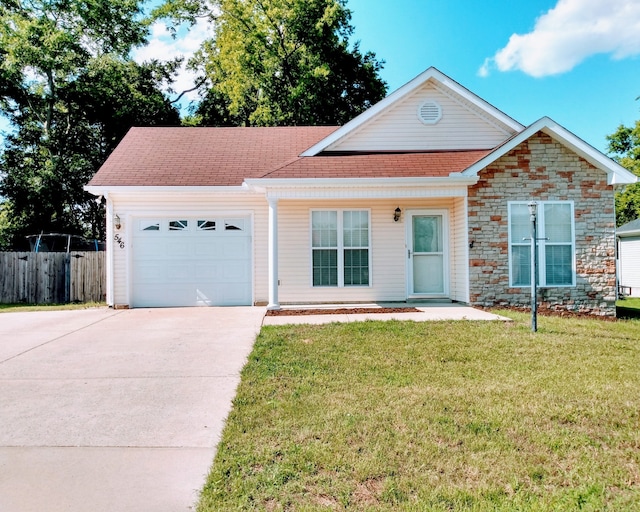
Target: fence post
x=67, y=278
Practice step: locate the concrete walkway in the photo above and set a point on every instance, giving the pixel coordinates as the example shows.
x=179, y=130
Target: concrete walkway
x=426, y=313
x=117, y=411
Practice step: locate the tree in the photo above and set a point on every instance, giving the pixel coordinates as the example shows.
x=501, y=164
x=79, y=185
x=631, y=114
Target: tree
x=280, y=62
x=624, y=148
x=70, y=92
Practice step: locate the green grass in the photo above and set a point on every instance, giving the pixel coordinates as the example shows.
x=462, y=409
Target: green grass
x=13, y=308
x=629, y=302
x=628, y=308
x=477, y=416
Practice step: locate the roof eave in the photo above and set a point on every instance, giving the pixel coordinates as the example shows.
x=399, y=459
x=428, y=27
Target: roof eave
x=274, y=183
x=625, y=234
x=106, y=190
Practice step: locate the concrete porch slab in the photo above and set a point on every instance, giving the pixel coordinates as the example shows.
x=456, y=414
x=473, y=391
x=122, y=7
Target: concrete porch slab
x=426, y=312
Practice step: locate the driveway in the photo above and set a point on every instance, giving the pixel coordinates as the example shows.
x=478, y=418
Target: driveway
x=104, y=410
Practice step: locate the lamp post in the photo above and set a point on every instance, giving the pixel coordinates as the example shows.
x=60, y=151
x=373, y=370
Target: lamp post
x=533, y=210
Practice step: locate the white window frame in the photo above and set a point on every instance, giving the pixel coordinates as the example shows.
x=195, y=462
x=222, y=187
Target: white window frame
x=340, y=247
x=542, y=245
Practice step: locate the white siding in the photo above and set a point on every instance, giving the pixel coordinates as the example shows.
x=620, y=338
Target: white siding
x=459, y=251
x=629, y=271
x=388, y=246
x=398, y=128
x=161, y=205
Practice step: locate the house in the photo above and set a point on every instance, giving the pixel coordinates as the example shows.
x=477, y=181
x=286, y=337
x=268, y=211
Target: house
x=423, y=196
x=629, y=258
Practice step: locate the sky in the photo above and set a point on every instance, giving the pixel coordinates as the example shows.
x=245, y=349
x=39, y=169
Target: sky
x=576, y=61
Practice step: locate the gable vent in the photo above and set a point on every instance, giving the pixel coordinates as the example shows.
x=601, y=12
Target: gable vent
x=430, y=112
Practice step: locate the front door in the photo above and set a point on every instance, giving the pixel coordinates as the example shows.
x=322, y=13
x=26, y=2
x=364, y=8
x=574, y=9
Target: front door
x=427, y=253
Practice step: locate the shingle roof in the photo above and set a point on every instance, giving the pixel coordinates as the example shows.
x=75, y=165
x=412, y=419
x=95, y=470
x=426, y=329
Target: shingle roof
x=227, y=156
x=380, y=165
x=185, y=156
x=630, y=228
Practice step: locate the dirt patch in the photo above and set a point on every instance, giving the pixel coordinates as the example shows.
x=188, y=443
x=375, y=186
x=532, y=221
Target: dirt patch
x=338, y=311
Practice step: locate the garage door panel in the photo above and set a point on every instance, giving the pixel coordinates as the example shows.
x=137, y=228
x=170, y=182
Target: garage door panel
x=178, y=248
x=192, y=267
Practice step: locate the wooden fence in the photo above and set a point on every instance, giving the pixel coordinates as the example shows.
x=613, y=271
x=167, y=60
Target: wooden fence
x=52, y=277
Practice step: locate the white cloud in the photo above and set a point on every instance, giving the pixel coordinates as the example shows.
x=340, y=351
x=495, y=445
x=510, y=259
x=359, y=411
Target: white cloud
x=568, y=34
x=163, y=47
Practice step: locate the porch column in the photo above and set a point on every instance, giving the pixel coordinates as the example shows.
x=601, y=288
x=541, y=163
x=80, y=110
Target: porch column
x=273, y=253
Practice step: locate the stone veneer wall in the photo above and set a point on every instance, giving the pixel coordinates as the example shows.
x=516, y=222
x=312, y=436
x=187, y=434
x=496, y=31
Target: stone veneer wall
x=542, y=169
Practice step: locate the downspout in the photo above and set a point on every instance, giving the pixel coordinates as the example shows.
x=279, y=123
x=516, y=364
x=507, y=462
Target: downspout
x=109, y=248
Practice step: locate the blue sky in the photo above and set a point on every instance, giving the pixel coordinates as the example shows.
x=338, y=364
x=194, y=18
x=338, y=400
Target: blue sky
x=576, y=61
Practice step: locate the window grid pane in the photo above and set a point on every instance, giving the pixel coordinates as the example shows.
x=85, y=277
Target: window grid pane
x=324, y=228
x=521, y=265
x=325, y=267
x=558, y=265
x=520, y=223
x=356, y=267
x=557, y=222
x=355, y=229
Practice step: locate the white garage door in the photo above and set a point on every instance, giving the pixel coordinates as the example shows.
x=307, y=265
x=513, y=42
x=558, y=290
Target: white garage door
x=203, y=261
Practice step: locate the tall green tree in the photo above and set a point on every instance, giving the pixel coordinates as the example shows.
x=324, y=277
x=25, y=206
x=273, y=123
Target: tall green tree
x=280, y=62
x=70, y=92
x=624, y=147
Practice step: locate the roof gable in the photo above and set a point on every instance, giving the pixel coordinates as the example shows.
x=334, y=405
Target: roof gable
x=616, y=174
x=393, y=124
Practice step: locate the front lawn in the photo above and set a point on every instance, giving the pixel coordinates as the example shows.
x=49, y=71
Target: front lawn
x=480, y=416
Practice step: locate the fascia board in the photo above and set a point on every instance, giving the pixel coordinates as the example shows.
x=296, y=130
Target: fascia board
x=148, y=190
x=625, y=234
x=263, y=184
x=405, y=90
x=616, y=174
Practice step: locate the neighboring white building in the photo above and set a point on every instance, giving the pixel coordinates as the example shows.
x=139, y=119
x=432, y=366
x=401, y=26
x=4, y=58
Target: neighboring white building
x=629, y=257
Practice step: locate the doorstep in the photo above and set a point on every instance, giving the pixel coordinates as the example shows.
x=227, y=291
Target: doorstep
x=425, y=312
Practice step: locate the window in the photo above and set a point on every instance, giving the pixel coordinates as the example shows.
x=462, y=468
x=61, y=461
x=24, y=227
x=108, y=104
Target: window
x=178, y=225
x=340, y=247
x=556, y=244
x=149, y=225
x=233, y=224
x=206, y=225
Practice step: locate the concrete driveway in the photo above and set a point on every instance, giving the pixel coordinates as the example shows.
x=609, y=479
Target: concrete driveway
x=104, y=410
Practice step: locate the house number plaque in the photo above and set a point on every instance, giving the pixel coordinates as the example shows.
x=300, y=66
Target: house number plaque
x=119, y=241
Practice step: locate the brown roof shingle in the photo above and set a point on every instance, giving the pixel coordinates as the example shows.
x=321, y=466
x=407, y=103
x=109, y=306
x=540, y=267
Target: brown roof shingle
x=184, y=156
x=381, y=165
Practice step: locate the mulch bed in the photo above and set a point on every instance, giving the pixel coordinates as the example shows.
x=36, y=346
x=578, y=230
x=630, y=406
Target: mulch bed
x=338, y=311
x=563, y=313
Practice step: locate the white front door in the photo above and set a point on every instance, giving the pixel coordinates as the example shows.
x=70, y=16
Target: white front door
x=427, y=253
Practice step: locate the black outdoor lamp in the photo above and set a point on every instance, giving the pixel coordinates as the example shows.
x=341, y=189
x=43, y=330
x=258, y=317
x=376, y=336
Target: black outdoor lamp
x=396, y=214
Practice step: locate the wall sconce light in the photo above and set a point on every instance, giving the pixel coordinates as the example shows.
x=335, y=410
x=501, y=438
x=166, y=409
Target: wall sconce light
x=116, y=221
x=471, y=244
x=396, y=214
